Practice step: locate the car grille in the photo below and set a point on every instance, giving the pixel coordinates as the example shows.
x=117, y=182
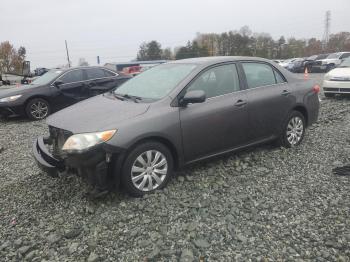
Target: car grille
x=59, y=137
x=340, y=90
x=341, y=79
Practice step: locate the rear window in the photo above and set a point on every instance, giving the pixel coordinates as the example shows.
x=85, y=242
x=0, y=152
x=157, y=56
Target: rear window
x=109, y=73
x=260, y=74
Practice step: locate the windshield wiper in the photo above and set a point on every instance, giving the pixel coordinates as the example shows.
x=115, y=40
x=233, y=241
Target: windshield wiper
x=118, y=96
x=136, y=99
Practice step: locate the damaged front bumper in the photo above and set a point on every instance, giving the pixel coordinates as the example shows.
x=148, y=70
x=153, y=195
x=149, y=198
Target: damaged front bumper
x=99, y=164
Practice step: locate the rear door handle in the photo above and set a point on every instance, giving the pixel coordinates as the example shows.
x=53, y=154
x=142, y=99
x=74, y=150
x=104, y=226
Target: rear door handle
x=285, y=93
x=240, y=103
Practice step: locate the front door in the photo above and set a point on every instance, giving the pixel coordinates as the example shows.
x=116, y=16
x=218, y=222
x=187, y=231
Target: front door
x=69, y=92
x=219, y=123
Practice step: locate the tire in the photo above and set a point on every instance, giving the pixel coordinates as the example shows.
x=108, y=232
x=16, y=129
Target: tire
x=37, y=109
x=146, y=181
x=293, y=130
x=329, y=95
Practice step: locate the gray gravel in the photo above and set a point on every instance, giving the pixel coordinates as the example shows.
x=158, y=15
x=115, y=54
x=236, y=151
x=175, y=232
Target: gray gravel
x=264, y=204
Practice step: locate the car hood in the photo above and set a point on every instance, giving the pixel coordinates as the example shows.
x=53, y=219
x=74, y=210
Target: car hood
x=16, y=90
x=100, y=113
x=340, y=72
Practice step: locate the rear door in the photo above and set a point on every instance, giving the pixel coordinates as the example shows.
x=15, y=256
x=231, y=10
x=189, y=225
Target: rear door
x=269, y=98
x=99, y=81
x=220, y=123
x=70, y=91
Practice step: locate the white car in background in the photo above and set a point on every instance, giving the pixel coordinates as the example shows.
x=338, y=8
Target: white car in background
x=286, y=63
x=332, y=61
x=337, y=81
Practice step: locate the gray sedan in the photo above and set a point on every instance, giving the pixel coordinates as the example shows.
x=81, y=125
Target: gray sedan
x=175, y=114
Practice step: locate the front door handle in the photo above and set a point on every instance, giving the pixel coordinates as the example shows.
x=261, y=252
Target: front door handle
x=240, y=103
x=285, y=93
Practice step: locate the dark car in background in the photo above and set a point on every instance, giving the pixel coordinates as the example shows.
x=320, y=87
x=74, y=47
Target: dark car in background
x=310, y=61
x=330, y=62
x=175, y=114
x=299, y=65
x=57, y=89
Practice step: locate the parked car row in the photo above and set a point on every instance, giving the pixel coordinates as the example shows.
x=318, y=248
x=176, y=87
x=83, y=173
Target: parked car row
x=315, y=63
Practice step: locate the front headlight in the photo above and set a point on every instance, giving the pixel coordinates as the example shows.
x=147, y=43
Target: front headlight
x=9, y=99
x=81, y=142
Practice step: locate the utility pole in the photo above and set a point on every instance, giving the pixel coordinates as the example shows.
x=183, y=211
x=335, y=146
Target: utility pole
x=67, y=53
x=327, y=25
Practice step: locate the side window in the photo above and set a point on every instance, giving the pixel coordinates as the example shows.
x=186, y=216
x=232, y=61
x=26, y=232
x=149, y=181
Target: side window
x=217, y=81
x=109, y=73
x=72, y=76
x=279, y=77
x=259, y=74
x=345, y=56
x=94, y=73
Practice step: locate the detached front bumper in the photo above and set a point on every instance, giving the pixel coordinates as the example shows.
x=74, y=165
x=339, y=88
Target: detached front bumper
x=44, y=159
x=100, y=165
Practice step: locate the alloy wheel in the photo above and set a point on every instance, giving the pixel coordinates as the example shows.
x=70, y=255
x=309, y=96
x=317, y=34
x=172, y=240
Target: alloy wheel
x=39, y=110
x=295, y=130
x=149, y=170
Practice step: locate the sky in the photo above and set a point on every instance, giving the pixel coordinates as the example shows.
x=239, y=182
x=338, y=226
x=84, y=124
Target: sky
x=114, y=29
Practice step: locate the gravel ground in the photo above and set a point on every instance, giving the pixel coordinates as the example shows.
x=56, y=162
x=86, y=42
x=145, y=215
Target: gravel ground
x=264, y=204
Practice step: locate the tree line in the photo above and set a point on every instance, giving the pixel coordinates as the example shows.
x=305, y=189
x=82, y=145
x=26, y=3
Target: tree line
x=11, y=59
x=245, y=43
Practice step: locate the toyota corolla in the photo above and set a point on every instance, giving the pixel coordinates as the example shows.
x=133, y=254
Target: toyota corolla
x=176, y=114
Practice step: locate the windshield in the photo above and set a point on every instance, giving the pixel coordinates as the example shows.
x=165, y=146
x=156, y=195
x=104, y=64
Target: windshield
x=156, y=82
x=335, y=55
x=47, y=77
x=345, y=63
x=313, y=57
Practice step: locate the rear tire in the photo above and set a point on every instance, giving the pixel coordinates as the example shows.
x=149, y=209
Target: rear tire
x=37, y=109
x=293, y=130
x=147, y=167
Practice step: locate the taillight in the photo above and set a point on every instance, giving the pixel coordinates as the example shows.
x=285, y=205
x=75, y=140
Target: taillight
x=316, y=88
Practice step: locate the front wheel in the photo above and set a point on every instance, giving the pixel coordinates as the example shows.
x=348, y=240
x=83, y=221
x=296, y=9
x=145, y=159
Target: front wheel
x=37, y=109
x=148, y=167
x=293, y=130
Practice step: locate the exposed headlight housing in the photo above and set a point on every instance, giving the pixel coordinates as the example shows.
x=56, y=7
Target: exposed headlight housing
x=9, y=98
x=81, y=142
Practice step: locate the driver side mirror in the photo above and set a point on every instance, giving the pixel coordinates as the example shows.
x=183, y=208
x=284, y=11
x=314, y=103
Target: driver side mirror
x=193, y=97
x=58, y=83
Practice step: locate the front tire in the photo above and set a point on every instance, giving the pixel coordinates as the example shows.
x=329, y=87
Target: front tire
x=148, y=167
x=293, y=130
x=37, y=109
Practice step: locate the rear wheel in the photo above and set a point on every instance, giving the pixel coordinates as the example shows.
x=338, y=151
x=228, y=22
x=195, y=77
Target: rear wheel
x=37, y=109
x=148, y=167
x=293, y=130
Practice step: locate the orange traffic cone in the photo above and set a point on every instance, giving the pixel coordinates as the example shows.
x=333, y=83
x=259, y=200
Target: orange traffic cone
x=306, y=74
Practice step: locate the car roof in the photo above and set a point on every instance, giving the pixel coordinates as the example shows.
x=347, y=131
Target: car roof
x=81, y=67
x=218, y=59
